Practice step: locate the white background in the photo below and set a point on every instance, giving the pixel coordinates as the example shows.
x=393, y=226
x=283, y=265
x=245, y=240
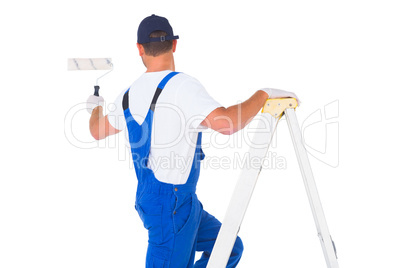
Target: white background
x=65, y=206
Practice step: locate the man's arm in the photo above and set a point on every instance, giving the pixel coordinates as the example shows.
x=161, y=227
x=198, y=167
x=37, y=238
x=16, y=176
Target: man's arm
x=99, y=125
x=230, y=120
x=234, y=118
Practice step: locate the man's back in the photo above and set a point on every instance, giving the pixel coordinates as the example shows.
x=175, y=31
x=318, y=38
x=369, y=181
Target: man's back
x=182, y=106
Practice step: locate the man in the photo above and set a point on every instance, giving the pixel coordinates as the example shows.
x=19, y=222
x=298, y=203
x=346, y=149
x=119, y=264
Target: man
x=165, y=113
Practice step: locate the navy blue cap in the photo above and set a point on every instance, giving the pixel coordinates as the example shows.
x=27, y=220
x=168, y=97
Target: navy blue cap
x=151, y=24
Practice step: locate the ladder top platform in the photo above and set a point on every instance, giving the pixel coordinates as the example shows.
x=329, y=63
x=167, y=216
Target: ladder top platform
x=276, y=107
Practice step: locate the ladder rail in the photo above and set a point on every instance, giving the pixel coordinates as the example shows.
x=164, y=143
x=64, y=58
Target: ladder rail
x=311, y=189
x=241, y=197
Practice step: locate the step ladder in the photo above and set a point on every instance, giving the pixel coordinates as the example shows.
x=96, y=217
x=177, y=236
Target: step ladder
x=272, y=112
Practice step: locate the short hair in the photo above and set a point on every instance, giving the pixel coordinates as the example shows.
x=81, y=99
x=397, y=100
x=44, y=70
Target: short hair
x=157, y=48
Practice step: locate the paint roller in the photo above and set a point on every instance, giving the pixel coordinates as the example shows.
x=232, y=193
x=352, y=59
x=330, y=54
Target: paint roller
x=81, y=64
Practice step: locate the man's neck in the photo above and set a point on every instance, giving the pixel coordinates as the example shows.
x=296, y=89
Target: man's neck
x=159, y=63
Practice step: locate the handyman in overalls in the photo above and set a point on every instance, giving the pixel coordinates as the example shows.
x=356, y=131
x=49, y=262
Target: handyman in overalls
x=165, y=113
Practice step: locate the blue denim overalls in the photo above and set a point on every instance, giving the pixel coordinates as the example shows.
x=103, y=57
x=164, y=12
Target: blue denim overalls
x=174, y=217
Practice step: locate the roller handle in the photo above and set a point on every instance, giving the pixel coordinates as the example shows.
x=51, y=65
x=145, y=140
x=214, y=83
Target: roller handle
x=96, y=93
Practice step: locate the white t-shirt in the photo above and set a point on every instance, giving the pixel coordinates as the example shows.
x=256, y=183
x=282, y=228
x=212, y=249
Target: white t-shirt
x=181, y=107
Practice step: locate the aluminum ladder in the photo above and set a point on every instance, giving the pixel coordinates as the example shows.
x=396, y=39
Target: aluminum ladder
x=272, y=111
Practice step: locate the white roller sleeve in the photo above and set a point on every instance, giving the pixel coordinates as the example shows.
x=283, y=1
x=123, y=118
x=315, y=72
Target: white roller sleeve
x=78, y=64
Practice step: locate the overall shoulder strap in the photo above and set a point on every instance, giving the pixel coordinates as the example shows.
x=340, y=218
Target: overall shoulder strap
x=125, y=100
x=158, y=91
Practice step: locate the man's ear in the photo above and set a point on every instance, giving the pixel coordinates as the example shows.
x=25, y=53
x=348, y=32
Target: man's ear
x=174, y=45
x=141, y=50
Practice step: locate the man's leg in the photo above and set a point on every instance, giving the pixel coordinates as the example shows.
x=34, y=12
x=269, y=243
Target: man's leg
x=207, y=233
